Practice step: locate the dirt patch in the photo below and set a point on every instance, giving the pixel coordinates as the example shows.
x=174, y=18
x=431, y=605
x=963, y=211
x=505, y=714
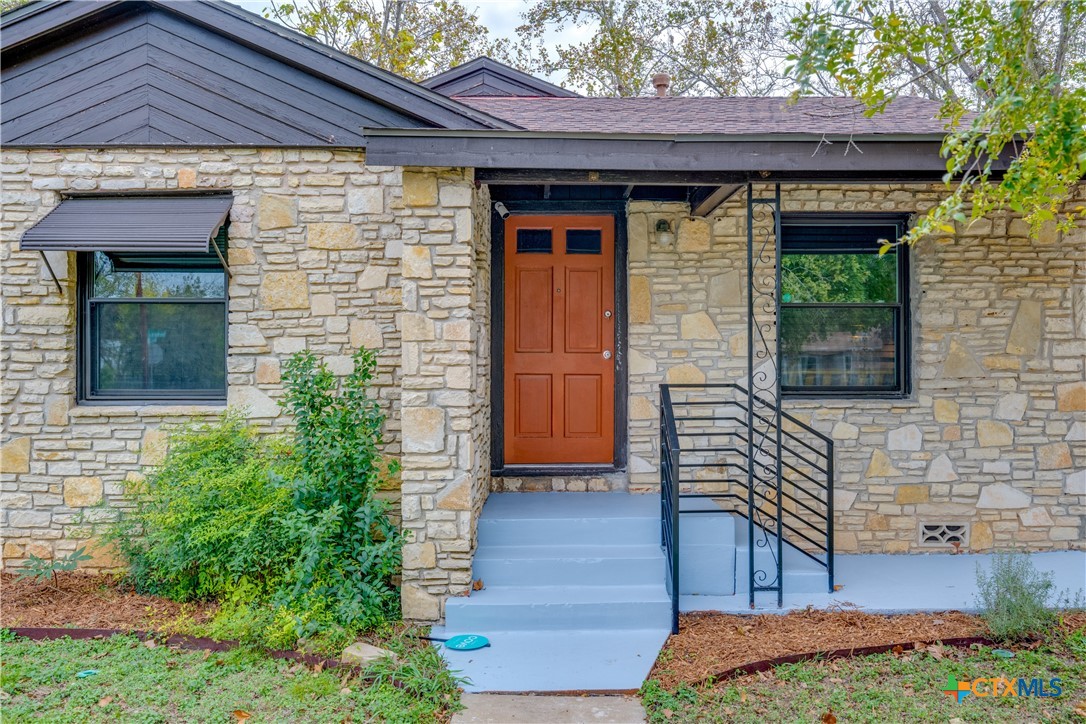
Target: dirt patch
x=87, y=601
x=711, y=642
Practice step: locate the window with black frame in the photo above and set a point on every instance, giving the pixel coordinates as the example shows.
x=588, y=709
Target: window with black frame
x=844, y=306
x=153, y=326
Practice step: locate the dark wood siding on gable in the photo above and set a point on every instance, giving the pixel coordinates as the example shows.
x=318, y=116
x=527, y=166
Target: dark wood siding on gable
x=150, y=78
x=487, y=77
x=485, y=83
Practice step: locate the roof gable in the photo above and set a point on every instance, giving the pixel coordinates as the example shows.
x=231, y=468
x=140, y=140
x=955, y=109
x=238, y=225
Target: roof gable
x=195, y=73
x=487, y=77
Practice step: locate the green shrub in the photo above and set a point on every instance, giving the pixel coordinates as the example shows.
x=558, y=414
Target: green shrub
x=287, y=533
x=350, y=550
x=1014, y=597
x=209, y=521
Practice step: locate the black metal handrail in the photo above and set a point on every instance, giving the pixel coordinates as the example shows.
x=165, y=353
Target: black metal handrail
x=669, y=500
x=788, y=485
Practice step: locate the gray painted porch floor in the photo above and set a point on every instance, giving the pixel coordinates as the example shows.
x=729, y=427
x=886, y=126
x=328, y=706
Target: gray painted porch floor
x=901, y=583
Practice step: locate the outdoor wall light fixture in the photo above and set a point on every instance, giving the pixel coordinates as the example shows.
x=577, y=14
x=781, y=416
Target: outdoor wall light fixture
x=664, y=235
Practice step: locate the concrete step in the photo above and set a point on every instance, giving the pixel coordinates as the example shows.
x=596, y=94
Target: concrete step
x=571, y=530
x=801, y=574
x=706, y=549
x=574, y=565
x=570, y=519
x=550, y=608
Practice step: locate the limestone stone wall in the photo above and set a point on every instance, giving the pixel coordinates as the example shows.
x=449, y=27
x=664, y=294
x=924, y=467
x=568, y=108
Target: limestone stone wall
x=316, y=239
x=994, y=433
x=445, y=366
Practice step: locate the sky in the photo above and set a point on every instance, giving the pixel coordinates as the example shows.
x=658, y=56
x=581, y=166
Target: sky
x=501, y=17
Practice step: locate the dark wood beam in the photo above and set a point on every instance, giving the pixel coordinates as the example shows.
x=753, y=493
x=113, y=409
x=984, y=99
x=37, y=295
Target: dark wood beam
x=628, y=179
x=522, y=159
x=704, y=200
x=515, y=176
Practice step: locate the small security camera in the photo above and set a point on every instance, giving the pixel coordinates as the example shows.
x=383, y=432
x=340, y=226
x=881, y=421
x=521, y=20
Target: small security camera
x=502, y=211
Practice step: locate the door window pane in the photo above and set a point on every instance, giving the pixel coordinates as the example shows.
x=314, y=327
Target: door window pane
x=534, y=241
x=584, y=241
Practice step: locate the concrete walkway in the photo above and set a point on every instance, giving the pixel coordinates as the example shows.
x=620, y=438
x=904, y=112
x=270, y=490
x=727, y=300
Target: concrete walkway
x=518, y=708
x=902, y=584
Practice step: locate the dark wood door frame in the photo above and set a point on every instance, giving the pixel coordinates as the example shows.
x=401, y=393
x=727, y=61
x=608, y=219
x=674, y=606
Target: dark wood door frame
x=497, y=337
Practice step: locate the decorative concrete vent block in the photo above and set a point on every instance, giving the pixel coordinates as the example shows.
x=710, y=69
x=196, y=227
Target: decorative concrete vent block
x=943, y=535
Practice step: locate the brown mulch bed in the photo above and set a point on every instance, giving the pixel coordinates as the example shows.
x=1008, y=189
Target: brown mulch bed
x=87, y=601
x=712, y=643
x=709, y=643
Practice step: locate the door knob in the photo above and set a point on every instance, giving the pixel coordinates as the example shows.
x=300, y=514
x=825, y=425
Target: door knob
x=607, y=314
x=607, y=354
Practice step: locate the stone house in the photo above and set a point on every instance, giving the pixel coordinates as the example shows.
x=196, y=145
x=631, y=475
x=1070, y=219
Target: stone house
x=192, y=193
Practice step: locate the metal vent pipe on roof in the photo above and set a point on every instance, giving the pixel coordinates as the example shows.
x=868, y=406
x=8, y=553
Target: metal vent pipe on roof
x=661, y=82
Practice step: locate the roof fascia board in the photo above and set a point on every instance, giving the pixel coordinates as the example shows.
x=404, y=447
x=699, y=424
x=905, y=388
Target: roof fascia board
x=696, y=178
x=537, y=156
x=303, y=52
x=25, y=24
x=443, y=133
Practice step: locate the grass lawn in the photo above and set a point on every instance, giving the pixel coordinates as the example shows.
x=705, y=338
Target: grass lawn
x=905, y=687
x=136, y=683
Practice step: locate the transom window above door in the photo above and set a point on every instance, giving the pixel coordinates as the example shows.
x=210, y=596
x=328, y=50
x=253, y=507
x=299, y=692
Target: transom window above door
x=844, y=306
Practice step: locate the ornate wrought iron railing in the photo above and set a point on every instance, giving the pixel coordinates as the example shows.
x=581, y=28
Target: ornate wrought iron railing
x=718, y=442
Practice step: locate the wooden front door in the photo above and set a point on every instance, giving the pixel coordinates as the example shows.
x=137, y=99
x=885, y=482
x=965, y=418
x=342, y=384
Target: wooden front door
x=559, y=340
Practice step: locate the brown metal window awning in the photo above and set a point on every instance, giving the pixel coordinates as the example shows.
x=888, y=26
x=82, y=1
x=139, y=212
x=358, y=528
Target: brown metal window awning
x=143, y=224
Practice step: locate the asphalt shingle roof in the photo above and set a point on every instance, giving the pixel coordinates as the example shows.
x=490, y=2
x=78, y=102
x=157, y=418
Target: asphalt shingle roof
x=730, y=116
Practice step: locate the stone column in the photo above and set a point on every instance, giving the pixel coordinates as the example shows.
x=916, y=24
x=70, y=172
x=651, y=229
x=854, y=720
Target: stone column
x=439, y=410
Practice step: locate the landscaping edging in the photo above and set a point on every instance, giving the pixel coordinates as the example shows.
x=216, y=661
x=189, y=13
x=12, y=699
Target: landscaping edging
x=767, y=664
x=191, y=643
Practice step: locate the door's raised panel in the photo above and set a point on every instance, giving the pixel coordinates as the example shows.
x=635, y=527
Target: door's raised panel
x=584, y=405
x=534, y=309
x=584, y=310
x=533, y=402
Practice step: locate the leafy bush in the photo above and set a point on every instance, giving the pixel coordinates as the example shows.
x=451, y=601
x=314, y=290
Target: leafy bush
x=209, y=519
x=1014, y=597
x=286, y=532
x=350, y=550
